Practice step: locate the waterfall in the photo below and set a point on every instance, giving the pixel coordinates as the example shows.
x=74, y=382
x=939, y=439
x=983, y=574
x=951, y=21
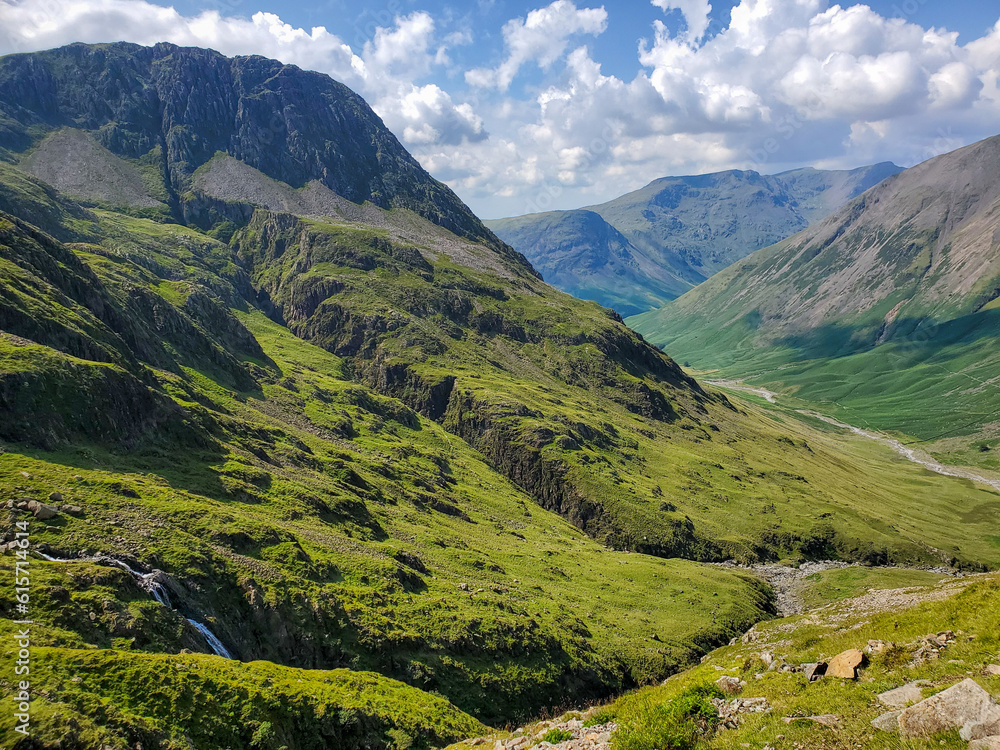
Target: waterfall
x=156, y=589
x=214, y=642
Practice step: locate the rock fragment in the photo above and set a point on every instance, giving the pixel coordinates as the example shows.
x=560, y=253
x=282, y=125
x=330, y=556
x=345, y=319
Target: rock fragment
x=903, y=696
x=814, y=671
x=844, y=665
x=965, y=706
x=730, y=685
x=888, y=722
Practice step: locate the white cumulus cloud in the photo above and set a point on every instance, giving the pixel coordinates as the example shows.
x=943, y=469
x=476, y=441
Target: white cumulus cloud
x=542, y=38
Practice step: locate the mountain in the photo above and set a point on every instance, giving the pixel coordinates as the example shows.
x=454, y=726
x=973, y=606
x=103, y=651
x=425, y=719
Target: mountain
x=583, y=255
x=354, y=441
x=172, y=109
x=677, y=231
x=891, y=302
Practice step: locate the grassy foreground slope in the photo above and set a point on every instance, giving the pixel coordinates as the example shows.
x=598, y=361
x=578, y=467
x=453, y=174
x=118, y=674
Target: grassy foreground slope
x=680, y=714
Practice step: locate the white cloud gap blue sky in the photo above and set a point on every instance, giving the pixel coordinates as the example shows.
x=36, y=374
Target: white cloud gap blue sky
x=523, y=107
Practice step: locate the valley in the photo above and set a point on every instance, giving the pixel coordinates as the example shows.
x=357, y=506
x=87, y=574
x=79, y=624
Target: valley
x=301, y=454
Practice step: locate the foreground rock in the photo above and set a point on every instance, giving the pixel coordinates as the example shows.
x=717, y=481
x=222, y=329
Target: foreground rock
x=905, y=696
x=730, y=685
x=888, y=722
x=731, y=713
x=845, y=665
x=965, y=706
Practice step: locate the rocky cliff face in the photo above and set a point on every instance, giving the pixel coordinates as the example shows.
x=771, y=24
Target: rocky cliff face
x=175, y=108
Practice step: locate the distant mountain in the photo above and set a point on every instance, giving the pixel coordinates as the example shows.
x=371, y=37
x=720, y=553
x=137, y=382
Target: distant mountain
x=905, y=275
x=679, y=231
x=582, y=254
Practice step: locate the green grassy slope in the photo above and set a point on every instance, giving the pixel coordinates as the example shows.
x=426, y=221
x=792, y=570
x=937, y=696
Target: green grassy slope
x=970, y=613
x=897, y=607
x=406, y=498
x=307, y=519
x=578, y=414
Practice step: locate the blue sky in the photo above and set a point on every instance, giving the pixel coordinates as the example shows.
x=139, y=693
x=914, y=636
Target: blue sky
x=527, y=106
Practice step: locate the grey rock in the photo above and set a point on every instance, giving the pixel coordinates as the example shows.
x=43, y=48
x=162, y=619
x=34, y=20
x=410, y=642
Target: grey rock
x=44, y=512
x=730, y=685
x=986, y=743
x=814, y=671
x=887, y=722
x=903, y=696
x=965, y=706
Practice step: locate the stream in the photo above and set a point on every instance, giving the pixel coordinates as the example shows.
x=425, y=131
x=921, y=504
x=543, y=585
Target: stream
x=156, y=589
x=917, y=457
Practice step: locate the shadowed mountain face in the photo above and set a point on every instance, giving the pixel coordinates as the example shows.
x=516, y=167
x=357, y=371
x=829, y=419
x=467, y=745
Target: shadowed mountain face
x=677, y=231
x=912, y=266
x=582, y=254
x=174, y=108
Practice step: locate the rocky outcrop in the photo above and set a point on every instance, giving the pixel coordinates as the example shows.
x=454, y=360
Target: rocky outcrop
x=965, y=706
x=186, y=104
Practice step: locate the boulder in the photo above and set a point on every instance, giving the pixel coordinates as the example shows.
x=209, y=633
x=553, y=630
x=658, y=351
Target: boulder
x=986, y=743
x=845, y=664
x=73, y=510
x=993, y=670
x=730, y=685
x=814, y=671
x=44, y=512
x=55, y=497
x=965, y=706
x=904, y=696
x=887, y=722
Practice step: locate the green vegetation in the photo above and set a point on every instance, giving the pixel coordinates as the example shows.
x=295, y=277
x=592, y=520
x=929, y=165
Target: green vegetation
x=837, y=584
x=969, y=608
x=119, y=699
x=557, y=735
x=647, y=722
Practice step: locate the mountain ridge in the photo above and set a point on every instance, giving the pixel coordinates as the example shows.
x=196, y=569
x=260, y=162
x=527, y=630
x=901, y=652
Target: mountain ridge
x=682, y=230
x=148, y=103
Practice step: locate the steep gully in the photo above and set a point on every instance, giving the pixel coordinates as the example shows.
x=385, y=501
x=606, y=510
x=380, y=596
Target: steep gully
x=149, y=582
x=909, y=454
